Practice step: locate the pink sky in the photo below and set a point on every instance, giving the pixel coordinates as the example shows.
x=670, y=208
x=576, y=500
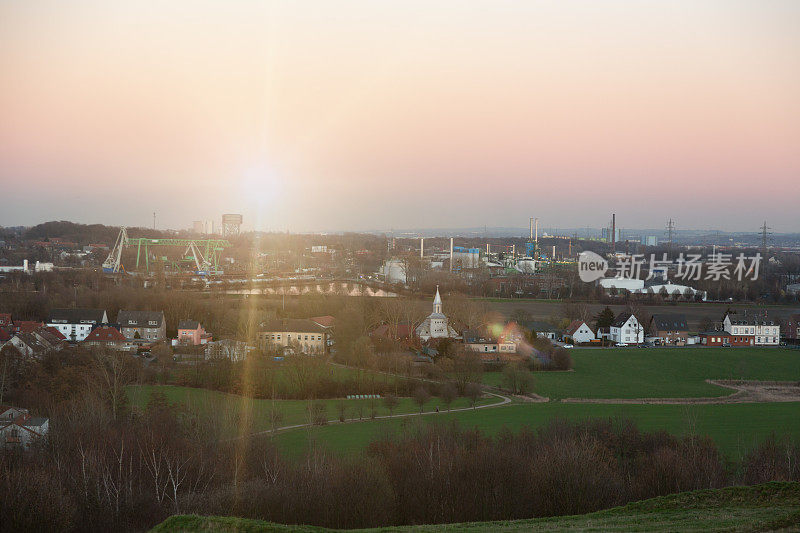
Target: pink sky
x=366, y=115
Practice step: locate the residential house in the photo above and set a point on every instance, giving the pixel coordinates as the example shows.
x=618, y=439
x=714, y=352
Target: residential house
x=142, y=326
x=5, y=320
x=19, y=428
x=752, y=330
x=192, y=333
x=669, y=328
x=109, y=337
x=295, y=334
x=481, y=341
x=403, y=331
x=626, y=329
x=29, y=326
x=543, y=330
x=579, y=332
x=793, y=327
x=37, y=343
x=75, y=324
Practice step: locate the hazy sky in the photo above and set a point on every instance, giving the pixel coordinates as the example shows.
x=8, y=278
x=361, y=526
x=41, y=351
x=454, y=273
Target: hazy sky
x=375, y=114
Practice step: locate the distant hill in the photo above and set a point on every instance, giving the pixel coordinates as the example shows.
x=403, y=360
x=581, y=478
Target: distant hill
x=84, y=233
x=767, y=507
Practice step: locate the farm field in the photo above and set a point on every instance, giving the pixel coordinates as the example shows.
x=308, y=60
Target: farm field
x=293, y=411
x=771, y=506
x=661, y=372
x=736, y=428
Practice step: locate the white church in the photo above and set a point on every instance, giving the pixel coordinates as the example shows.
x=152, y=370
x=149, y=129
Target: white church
x=435, y=326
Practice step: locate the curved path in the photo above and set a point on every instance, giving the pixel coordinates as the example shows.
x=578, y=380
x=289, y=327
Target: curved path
x=505, y=400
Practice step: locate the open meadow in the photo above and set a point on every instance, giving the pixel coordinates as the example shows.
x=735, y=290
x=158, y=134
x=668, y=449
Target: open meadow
x=661, y=372
x=735, y=428
x=292, y=412
x=615, y=373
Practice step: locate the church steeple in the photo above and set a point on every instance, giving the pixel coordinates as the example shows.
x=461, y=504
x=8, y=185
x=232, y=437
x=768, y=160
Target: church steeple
x=437, y=302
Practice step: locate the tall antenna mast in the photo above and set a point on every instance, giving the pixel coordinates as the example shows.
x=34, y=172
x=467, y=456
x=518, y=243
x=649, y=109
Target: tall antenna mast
x=670, y=234
x=764, y=236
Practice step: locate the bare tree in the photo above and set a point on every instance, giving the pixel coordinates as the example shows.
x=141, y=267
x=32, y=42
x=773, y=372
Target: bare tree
x=421, y=397
x=473, y=392
x=448, y=394
x=390, y=401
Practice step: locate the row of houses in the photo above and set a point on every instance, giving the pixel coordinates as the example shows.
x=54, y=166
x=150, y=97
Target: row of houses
x=91, y=327
x=753, y=330
x=672, y=329
x=19, y=428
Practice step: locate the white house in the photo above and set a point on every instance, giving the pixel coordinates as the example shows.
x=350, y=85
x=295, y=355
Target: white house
x=765, y=332
x=76, y=324
x=579, y=332
x=626, y=328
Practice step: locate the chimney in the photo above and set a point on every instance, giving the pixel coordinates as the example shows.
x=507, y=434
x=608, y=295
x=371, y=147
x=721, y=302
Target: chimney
x=614, y=232
x=451, y=254
x=421, y=247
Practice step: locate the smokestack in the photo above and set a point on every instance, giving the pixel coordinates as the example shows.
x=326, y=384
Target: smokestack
x=487, y=248
x=451, y=254
x=531, y=238
x=554, y=252
x=614, y=232
x=537, y=230
x=421, y=247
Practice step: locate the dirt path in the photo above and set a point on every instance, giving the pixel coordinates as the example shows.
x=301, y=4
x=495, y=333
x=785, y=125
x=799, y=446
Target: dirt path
x=745, y=392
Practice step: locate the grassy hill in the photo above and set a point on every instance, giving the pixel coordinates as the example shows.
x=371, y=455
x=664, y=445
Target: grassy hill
x=662, y=372
x=770, y=506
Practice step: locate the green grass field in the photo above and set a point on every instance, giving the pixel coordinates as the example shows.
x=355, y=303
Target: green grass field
x=661, y=372
x=293, y=411
x=772, y=506
x=736, y=428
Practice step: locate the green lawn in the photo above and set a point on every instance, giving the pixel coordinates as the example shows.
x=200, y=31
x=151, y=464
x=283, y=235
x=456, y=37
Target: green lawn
x=736, y=428
x=293, y=411
x=771, y=506
x=661, y=372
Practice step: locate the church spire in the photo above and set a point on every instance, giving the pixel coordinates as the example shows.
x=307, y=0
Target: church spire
x=437, y=302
